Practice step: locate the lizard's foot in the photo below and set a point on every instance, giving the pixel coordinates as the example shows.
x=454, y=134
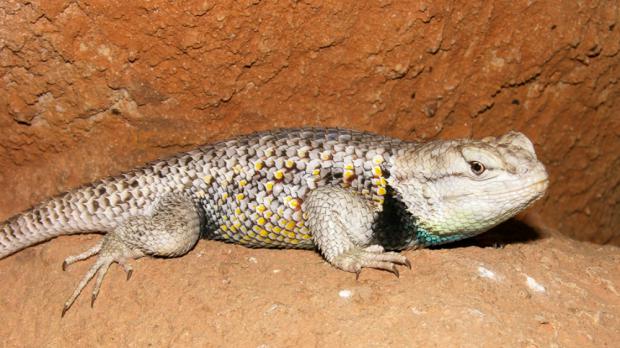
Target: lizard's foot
x=172, y=230
x=372, y=256
x=110, y=250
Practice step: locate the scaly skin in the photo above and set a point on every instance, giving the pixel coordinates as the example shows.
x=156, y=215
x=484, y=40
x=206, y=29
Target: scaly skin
x=352, y=195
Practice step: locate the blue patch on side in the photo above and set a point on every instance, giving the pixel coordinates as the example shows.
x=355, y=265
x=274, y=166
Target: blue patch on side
x=426, y=238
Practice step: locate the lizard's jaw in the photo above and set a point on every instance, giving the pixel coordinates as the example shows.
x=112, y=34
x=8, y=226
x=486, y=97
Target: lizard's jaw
x=474, y=213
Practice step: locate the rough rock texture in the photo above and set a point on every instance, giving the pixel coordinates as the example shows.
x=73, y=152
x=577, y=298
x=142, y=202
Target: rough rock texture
x=92, y=88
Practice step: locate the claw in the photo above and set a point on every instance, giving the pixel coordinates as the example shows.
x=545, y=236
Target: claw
x=407, y=264
x=64, y=310
x=129, y=273
x=64, y=266
x=395, y=271
x=357, y=274
x=92, y=300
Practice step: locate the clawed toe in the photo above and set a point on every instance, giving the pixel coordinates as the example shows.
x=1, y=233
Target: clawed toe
x=371, y=257
x=109, y=252
x=100, y=268
x=83, y=256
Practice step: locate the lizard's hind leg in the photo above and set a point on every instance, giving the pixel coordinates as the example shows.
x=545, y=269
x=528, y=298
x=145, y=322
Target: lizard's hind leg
x=172, y=230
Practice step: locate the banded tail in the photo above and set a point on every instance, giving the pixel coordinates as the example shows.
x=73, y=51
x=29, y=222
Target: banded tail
x=66, y=214
x=99, y=207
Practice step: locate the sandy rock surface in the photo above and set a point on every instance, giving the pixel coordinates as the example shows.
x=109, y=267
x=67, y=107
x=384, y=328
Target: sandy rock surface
x=536, y=291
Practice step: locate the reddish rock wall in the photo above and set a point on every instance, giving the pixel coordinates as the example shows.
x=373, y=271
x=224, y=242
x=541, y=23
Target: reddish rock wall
x=91, y=88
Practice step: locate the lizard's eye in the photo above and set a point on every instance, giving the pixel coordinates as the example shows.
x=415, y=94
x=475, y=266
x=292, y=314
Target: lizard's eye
x=477, y=167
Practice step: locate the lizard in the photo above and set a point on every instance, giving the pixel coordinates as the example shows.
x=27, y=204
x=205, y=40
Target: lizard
x=357, y=197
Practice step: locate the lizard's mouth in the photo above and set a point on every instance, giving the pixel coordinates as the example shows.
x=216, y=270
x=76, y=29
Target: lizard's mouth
x=538, y=186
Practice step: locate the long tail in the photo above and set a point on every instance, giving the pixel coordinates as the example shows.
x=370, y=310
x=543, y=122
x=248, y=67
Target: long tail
x=64, y=214
x=96, y=208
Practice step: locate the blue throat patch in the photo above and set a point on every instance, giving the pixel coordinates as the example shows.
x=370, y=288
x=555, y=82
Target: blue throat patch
x=425, y=238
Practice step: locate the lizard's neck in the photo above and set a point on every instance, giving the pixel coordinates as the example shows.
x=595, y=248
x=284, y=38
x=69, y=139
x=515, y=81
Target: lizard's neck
x=396, y=228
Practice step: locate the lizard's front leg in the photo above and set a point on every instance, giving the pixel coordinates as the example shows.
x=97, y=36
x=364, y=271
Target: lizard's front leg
x=172, y=230
x=341, y=225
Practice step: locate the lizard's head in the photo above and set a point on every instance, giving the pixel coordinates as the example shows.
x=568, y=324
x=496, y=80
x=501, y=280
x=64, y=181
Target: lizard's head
x=461, y=188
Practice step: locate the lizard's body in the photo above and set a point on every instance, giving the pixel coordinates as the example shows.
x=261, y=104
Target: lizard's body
x=350, y=194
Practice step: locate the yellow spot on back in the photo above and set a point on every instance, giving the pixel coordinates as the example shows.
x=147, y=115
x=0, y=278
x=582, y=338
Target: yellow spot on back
x=207, y=179
x=260, y=208
x=269, y=186
x=376, y=171
x=240, y=196
x=242, y=182
x=294, y=203
x=347, y=175
x=378, y=159
x=225, y=195
x=279, y=174
x=381, y=191
x=263, y=233
x=258, y=165
x=289, y=163
x=316, y=172
x=260, y=221
x=224, y=228
x=290, y=225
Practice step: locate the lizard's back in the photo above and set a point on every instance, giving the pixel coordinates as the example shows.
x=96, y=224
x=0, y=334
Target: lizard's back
x=252, y=188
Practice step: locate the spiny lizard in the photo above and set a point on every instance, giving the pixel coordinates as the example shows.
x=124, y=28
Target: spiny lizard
x=356, y=197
